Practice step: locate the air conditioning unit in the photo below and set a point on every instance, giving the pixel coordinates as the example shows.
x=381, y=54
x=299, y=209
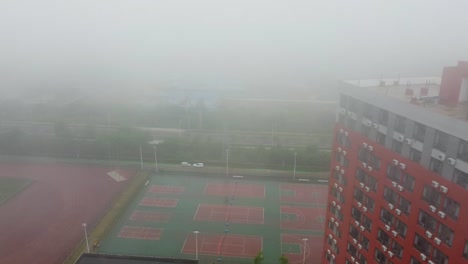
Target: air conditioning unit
x=346, y=133
x=361, y=184
x=452, y=161
x=344, y=152
x=391, y=254
x=328, y=251
x=391, y=206
x=398, y=211
x=395, y=162
x=369, y=168
x=341, y=131
x=430, y=262
x=402, y=166
x=395, y=233
x=375, y=125
x=332, y=219
x=339, y=149
x=359, y=246
x=364, y=144
x=370, y=148
x=335, y=185
x=400, y=188
x=330, y=236
x=441, y=157
x=408, y=141
x=368, y=123
x=356, y=223
x=367, y=189
x=340, y=189
x=423, y=257
x=359, y=204
x=443, y=189
x=441, y=214
x=354, y=242
x=333, y=257
x=342, y=171
x=435, y=184
x=394, y=184
x=401, y=138
x=337, y=168
x=333, y=203
x=387, y=227
x=364, y=209
x=338, y=207
x=334, y=241
x=362, y=228
x=437, y=240
x=432, y=208
x=352, y=259
x=428, y=234
x=364, y=164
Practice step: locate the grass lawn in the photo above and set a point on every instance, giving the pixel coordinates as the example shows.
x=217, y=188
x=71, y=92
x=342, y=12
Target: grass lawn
x=10, y=186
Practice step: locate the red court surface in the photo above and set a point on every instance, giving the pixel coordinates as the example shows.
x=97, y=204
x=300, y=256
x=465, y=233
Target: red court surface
x=138, y=232
x=224, y=245
x=159, y=202
x=42, y=224
x=166, y=189
x=313, y=248
x=302, y=218
x=144, y=216
x=235, y=190
x=304, y=193
x=229, y=213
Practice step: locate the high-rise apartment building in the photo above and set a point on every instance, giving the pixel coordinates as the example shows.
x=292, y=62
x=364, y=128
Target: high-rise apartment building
x=398, y=185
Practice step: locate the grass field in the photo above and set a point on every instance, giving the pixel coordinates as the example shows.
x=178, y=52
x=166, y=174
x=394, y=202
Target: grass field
x=236, y=218
x=11, y=186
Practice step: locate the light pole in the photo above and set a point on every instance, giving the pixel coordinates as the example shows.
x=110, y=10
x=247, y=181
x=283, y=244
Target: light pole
x=155, y=159
x=227, y=163
x=141, y=159
x=86, y=236
x=305, y=239
x=294, y=173
x=196, y=232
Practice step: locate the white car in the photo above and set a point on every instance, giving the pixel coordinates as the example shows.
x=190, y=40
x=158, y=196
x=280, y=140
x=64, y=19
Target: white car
x=185, y=164
x=198, y=165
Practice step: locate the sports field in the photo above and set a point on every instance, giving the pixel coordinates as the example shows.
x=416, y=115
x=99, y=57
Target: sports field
x=236, y=218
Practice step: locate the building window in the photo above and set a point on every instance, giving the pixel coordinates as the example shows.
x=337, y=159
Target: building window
x=439, y=257
x=414, y=261
x=383, y=117
x=436, y=165
x=415, y=155
x=374, y=162
x=401, y=228
x=419, y=132
x=394, y=173
x=365, y=130
x=463, y=151
x=380, y=257
x=372, y=183
x=356, y=214
x=369, y=203
x=341, y=159
x=381, y=138
x=387, y=217
x=343, y=140
x=353, y=232
x=397, y=249
x=383, y=238
x=405, y=206
x=426, y=221
x=408, y=182
x=352, y=250
x=367, y=223
x=431, y=196
x=465, y=250
x=460, y=178
x=422, y=245
x=397, y=146
x=441, y=141
x=451, y=208
x=365, y=242
x=390, y=196
x=400, y=124
x=351, y=123
x=358, y=195
x=445, y=234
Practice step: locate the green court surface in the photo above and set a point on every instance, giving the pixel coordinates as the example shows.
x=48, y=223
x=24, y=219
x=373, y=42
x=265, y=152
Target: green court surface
x=231, y=221
x=10, y=186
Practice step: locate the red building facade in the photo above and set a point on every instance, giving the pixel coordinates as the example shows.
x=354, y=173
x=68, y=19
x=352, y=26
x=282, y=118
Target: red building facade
x=398, y=184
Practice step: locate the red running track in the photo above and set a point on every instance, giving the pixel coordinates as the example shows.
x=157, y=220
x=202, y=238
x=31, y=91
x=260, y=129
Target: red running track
x=230, y=213
x=224, y=245
x=42, y=224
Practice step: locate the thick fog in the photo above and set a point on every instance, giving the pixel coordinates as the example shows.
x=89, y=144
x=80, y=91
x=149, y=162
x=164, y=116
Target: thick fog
x=150, y=44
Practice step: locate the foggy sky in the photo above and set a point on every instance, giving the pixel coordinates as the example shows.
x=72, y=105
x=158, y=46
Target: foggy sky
x=224, y=44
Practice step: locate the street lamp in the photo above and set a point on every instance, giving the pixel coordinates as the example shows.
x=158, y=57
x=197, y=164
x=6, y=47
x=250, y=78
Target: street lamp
x=86, y=236
x=294, y=174
x=196, y=232
x=155, y=159
x=227, y=163
x=305, y=239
